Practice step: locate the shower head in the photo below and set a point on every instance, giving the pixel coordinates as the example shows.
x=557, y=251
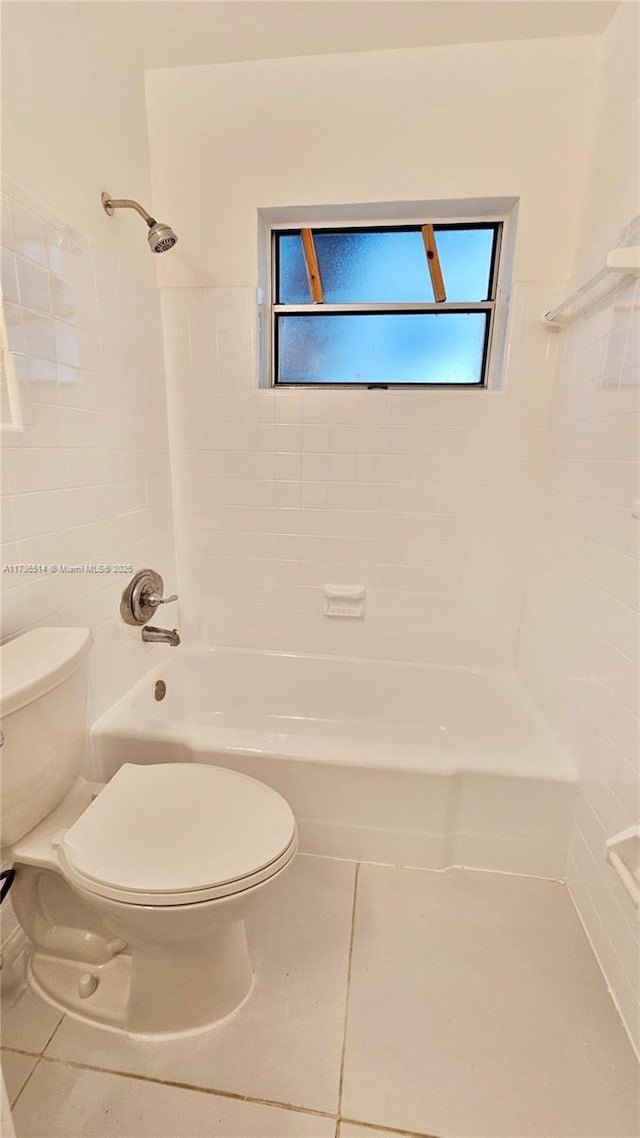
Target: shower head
x=161, y=237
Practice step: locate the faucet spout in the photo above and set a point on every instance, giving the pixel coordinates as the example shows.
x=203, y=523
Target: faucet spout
x=152, y=635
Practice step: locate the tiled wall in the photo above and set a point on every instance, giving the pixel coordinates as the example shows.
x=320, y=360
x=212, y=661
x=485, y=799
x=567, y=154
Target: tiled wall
x=423, y=497
x=87, y=481
x=580, y=640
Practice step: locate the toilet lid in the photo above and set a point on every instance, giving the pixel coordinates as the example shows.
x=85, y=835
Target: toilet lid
x=177, y=833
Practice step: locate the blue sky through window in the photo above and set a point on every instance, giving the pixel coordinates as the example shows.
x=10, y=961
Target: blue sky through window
x=382, y=348
x=386, y=266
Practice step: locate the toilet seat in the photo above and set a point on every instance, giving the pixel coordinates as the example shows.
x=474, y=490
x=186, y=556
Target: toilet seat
x=178, y=834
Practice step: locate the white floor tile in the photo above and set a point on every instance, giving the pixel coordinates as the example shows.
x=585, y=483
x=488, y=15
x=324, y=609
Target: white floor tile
x=27, y=1022
x=16, y=1070
x=285, y=1045
x=68, y=1102
x=477, y=1009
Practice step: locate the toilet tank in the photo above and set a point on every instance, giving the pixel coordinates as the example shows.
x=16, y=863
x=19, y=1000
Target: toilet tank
x=43, y=709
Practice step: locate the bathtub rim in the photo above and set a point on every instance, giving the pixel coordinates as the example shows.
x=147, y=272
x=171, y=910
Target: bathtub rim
x=121, y=721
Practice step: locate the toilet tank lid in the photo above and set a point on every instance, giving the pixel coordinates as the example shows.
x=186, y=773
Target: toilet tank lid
x=34, y=663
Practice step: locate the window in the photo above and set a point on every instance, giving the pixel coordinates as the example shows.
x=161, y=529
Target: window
x=405, y=305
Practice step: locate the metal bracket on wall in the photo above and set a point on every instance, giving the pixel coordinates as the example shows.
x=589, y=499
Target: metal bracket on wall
x=622, y=851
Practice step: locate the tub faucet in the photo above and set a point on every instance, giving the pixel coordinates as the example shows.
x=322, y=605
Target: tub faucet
x=152, y=635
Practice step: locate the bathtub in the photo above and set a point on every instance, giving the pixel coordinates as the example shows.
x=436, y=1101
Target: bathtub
x=403, y=764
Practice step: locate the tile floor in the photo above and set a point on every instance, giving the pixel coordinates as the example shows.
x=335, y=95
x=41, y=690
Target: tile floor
x=388, y=1002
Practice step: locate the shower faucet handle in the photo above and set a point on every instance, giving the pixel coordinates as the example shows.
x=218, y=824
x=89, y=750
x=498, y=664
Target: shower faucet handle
x=142, y=596
x=155, y=599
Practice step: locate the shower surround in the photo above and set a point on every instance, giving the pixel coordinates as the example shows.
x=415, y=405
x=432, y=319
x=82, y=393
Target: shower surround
x=423, y=497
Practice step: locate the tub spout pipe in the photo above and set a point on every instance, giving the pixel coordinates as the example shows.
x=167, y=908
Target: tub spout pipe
x=152, y=635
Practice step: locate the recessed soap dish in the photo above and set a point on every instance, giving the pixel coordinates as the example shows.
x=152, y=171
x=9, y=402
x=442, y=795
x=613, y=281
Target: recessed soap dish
x=344, y=601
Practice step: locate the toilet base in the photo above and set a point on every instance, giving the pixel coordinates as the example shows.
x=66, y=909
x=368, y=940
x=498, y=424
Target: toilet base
x=136, y=992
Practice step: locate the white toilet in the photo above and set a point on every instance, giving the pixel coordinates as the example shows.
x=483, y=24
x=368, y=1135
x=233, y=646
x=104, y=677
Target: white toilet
x=134, y=893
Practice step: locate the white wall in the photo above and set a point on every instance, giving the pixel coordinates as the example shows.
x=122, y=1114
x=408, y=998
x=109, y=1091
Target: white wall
x=421, y=496
x=579, y=647
x=464, y=121
x=88, y=481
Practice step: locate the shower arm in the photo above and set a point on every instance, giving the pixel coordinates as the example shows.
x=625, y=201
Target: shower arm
x=126, y=203
x=160, y=236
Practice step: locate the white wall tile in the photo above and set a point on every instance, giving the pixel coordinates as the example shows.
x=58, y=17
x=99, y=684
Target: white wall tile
x=9, y=280
x=33, y=283
x=24, y=232
x=14, y=327
x=346, y=484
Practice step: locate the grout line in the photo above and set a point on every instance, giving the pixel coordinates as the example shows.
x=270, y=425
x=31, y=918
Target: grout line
x=452, y=867
x=59, y=1024
x=493, y=872
x=76, y=1065
x=326, y=857
x=20, y=1051
x=26, y=1082
x=376, y=1128
x=349, y=965
x=605, y=980
x=187, y=1086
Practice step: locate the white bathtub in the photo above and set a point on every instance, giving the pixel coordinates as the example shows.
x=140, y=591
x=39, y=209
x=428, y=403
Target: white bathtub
x=399, y=763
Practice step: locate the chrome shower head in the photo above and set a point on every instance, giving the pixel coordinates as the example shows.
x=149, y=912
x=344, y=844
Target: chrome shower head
x=161, y=237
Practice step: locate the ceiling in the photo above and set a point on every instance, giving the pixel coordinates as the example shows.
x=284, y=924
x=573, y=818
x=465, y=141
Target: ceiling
x=179, y=33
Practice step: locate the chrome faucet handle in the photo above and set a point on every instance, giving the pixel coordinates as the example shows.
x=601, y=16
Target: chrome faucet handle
x=154, y=599
x=142, y=596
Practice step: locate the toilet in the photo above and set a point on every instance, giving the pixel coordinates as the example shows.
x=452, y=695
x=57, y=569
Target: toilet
x=134, y=893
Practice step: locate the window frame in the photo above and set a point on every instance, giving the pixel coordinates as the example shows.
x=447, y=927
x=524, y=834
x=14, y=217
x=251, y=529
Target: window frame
x=488, y=306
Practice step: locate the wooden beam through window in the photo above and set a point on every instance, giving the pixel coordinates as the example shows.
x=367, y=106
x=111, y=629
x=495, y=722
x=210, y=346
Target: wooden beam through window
x=433, y=262
x=311, y=262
